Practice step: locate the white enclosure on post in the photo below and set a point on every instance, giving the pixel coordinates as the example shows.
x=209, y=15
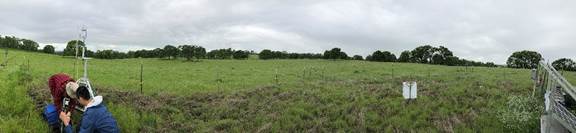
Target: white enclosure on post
x=409, y=90
x=406, y=90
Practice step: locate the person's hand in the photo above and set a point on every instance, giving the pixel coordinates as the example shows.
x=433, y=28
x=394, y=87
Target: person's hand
x=65, y=117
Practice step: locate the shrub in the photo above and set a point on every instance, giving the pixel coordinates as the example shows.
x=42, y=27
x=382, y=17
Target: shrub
x=522, y=113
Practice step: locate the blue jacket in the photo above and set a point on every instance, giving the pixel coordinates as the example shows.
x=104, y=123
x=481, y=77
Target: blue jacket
x=96, y=119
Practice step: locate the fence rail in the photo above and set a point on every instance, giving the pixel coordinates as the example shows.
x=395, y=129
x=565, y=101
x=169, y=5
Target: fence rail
x=556, y=86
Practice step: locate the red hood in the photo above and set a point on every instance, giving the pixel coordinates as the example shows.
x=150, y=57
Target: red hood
x=57, y=84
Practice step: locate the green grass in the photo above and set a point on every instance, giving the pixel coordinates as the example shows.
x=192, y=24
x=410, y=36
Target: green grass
x=17, y=111
x=282, y=95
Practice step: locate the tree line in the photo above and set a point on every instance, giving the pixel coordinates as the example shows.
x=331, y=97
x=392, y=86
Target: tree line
x=188, y=52
x=23, y=44
x=423, y=54
x=267, y=54
x=426, y=55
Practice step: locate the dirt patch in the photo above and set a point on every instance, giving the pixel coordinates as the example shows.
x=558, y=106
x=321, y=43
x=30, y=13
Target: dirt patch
x=134, y=99
x=40, y=96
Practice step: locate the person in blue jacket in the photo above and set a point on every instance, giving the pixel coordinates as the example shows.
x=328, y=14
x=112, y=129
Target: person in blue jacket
x=96, y=117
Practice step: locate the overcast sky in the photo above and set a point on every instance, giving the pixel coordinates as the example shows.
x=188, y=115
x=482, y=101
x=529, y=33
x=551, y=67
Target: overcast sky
x=482, y=30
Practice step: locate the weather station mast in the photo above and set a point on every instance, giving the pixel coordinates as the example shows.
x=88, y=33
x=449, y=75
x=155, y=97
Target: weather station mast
x=84, y=81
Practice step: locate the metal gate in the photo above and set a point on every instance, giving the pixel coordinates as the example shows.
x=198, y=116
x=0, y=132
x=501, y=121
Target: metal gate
x=555, y=89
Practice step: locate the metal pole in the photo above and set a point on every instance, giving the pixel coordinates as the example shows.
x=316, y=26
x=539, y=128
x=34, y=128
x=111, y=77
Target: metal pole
x=141, y=76
x=429, y=74
x=276, y=77
x=76, y=58
x=141, y=92
x=83, y=36
x=6, y=57
x=85, y=63
x=392, y=71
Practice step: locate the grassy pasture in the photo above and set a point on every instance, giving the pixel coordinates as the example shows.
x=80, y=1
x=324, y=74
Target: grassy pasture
x=276, y=95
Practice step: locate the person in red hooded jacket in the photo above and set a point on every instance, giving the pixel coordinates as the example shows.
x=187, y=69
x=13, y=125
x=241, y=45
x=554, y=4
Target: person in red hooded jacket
x=61, y=86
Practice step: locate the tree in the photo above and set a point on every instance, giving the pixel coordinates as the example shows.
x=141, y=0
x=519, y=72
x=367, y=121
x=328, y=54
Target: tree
x=404, y=56
x=377, y=56
x=564, y=64
x=490, y=64
x=437, y=59
x=428, y=54
x=29, y=45
x=10, y=42
x=369, y=58
x=382, y=56
x=171, y=52
x=158, y=52
x=524, y=59
x=89, y=53
x=265, y=54
x=143, y=53
x=357, y=57
x=453, y=61
x=279, y=55
x=48, y=49
x=240, y=54
x=443, y=51
x=269, y=54
x=110, y=54
x=440, y=55
x=70, y=49
x=211, y=54
x=293, y=56
x=422, y=54
x=192, y=51
x=1, y=41
x=389, y=57
x=220, y=53
x=199, y=52
x=187, y=51
x=335, y=53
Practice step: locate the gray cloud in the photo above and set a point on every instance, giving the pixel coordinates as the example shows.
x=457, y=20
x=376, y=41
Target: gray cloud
x=485, y=30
